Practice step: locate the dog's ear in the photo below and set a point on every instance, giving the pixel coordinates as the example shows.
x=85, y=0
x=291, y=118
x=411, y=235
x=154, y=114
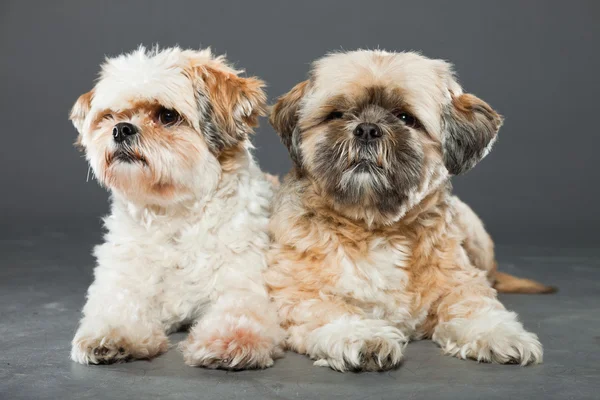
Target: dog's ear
x=284, y=118
x=470, y=128
x=236, y=103
x=80, y=110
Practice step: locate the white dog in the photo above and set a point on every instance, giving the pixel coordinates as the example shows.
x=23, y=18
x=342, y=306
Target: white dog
x=167, y=132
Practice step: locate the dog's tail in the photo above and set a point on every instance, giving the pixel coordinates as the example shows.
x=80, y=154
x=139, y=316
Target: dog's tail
x=506, y=283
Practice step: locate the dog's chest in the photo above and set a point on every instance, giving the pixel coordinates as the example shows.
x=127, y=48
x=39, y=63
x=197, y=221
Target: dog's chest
x=194, y=253
x=377, y=279
x=181, y=263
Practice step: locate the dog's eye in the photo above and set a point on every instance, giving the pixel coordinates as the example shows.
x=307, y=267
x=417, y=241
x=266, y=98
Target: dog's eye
x=168, y=117
x=408, y=119
x=334, y=115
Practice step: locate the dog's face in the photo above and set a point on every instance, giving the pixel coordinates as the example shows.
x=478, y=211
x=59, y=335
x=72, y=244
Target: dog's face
x=379, y=130
x=162, y=126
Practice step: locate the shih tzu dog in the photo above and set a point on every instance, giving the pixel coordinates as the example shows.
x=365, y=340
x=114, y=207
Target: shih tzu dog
x=370, y=247
x=167, y=132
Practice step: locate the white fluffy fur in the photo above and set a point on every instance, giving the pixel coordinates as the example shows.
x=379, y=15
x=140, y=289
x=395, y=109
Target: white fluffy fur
x=192, y=259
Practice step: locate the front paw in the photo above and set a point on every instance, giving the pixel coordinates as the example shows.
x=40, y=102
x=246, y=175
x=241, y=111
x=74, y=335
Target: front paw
x=355, y=345
x=501, y=340
x=235, y=347
x=117, y=345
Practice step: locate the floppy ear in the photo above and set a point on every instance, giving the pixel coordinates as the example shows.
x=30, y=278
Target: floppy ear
x=284, y=118
x=470, y=126
x=80, y=110
x=236, y=103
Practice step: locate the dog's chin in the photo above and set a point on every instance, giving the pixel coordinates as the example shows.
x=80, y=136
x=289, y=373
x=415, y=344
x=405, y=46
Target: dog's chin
x=129, y=174
x=359, y=183
x=125, y=167
x=365, y=168
x=366, y=185
x=136, y=187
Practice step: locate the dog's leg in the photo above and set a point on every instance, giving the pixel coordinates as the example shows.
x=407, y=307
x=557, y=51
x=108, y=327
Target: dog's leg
x=240, y=329
x=117, y=325
x=472, y=323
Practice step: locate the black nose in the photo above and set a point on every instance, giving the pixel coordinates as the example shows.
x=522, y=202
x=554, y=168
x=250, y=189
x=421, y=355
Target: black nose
x=122, y=131
x=366, y=131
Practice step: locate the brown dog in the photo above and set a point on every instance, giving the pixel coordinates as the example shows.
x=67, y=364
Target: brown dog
x=370, y=247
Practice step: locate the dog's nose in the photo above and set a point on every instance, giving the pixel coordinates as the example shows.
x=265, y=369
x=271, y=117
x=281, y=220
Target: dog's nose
x=366, y=131
x=123, y=130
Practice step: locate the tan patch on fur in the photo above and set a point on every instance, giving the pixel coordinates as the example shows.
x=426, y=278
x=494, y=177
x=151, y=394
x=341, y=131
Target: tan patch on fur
x=165, y=190
x=506, y=283
x=283, y=116
x=467, y=104
x=232, y=158
x=79, y=112
x=228, y=92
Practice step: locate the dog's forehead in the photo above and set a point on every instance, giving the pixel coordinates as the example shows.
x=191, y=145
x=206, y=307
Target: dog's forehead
x=144, y=76
x=374, y=67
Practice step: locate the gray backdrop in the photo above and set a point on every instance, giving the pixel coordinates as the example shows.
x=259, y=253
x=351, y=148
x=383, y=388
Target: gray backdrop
x=536, y=62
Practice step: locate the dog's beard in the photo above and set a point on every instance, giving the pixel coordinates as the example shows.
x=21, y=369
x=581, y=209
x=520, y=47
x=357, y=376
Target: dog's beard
x=126, y=167
x=378, y=174
x=365, y=173
x=127, y=152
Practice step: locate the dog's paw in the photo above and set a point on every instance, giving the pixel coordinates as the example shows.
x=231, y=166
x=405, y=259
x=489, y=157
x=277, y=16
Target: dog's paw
x=116, y=345
x=235, y=348
x=357, y=345
x=377, y=354
x=497, y=341
x=500, y=347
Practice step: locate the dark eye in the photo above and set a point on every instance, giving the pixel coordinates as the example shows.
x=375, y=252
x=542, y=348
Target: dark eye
x=334, y=115
x=408, y=119
x=168, y=117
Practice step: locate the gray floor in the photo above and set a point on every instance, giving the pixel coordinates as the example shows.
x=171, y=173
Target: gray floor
x=44, y=273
